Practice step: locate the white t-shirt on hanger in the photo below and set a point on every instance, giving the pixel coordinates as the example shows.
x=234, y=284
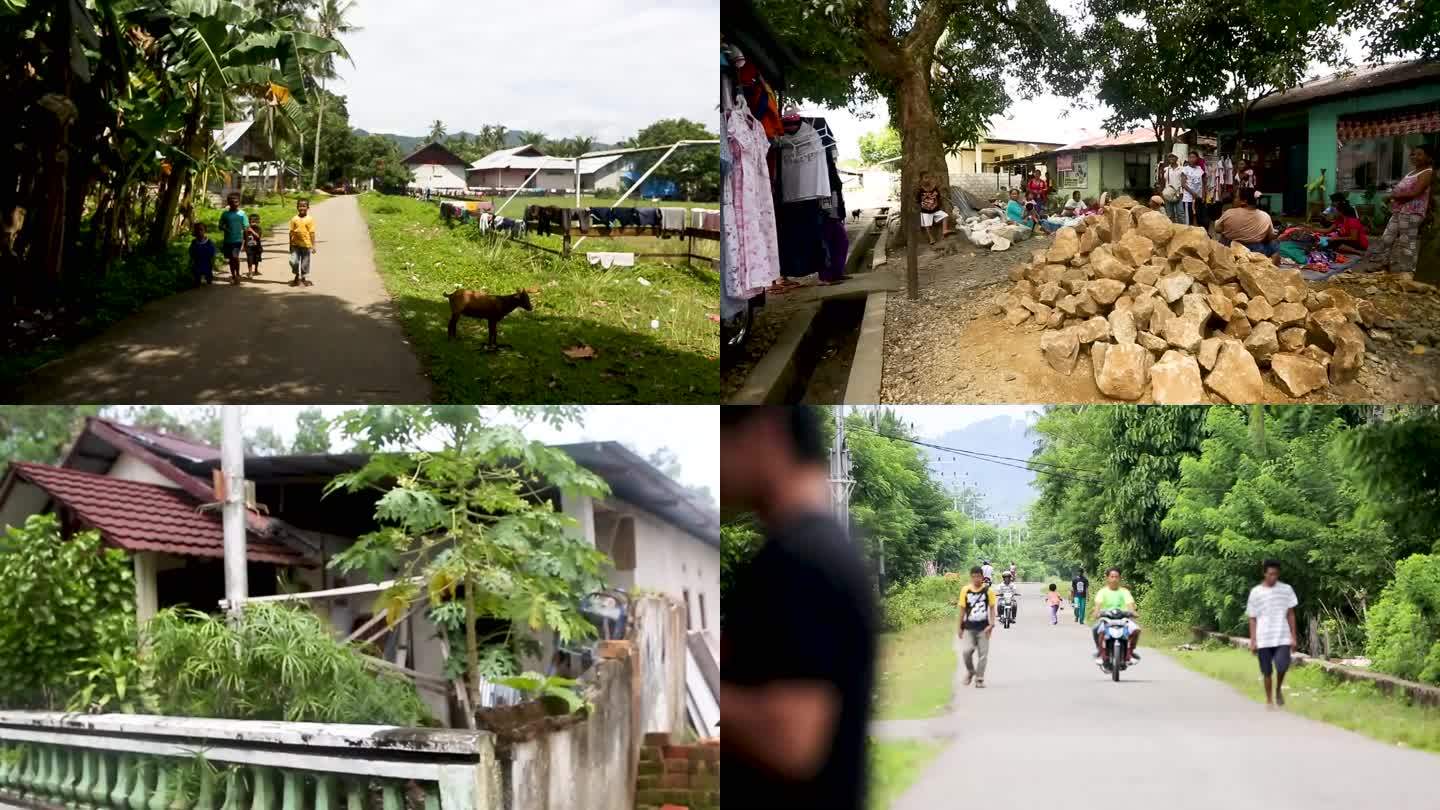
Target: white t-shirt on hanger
x=804, y=174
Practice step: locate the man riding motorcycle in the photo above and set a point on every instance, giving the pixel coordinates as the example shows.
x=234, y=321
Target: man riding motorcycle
x=1008, y=594
x=1114, y=597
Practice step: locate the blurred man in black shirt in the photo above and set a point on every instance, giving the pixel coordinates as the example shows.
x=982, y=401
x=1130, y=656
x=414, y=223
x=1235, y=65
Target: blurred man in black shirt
x=798, y=641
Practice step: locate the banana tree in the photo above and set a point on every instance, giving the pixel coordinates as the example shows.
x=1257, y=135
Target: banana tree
x=217, y=48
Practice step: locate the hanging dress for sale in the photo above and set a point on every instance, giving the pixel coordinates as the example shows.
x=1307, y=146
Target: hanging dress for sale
x=752, y=256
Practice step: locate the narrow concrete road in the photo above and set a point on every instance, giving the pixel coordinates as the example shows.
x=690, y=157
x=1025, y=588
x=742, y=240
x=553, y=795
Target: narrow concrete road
x=263, y=341
x=1051, y=726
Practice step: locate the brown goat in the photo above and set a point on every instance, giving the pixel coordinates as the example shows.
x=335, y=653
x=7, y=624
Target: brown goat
x=475, y=304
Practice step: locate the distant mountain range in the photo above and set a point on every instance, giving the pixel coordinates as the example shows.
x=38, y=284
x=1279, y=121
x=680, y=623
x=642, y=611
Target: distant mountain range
x=1006, y=490
x=409, y=143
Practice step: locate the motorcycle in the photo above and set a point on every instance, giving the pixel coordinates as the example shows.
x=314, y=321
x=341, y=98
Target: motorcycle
x=1115, y=642
x=1006, y=609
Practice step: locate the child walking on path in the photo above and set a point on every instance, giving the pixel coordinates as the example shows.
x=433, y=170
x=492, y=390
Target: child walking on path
x=202, y=256
x=1053, y=600
x=302, y=243
x=253, y=248
x=233, y=223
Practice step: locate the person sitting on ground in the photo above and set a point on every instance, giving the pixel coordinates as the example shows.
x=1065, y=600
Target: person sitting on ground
x=1092, y=206
x=1074, y=205
x=1246, y=224
x=1346, y=233
x=927, y=196
x=1014, y=211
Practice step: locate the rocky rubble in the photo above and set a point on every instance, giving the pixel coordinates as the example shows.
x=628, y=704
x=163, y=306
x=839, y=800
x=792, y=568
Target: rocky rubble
x=1163, y=308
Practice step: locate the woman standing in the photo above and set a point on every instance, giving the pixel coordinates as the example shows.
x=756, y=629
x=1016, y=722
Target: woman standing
x=1399, y=246
x=1038, y=188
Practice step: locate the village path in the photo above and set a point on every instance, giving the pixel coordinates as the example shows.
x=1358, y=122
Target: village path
x=263, y=341
x=1049, y=722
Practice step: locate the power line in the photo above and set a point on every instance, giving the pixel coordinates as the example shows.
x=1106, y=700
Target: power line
x=1012, y=458
x=982, y=457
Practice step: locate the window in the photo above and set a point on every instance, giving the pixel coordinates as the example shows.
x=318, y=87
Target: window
x=1377, y=162
x=1072, y=171
x=703, y=625
x=687, y=609
x=1141, y=171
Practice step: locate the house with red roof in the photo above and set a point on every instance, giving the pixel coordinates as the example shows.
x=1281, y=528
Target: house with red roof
x=153, y=496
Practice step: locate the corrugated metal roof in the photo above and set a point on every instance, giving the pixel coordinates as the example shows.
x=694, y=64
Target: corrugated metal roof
x=144, y=517
x=231, y=133
x=511, y=159
x=1344, y=83
x=170, y=443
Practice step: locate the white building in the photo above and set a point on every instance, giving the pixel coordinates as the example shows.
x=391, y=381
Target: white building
x=434, y=167
x=510, y=168
x=143, y=491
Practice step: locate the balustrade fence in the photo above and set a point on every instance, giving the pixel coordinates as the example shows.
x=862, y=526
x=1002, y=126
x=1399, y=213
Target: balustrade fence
x=143, y=762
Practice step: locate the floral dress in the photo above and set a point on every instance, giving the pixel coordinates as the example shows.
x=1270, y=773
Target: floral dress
x=752, y=253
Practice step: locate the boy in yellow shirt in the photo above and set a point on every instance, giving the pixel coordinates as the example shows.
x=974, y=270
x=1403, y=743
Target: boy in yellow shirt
x=302, y=243
x=977, y=620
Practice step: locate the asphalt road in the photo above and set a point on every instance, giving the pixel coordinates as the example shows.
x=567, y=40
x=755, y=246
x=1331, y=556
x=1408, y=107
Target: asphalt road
x=1051, y=727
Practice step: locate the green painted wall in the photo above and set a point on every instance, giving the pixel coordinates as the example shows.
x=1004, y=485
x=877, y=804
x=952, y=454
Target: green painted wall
x=1324, y=118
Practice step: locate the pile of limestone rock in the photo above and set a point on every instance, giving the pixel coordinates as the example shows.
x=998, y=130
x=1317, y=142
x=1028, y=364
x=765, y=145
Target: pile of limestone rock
x=1163, y=308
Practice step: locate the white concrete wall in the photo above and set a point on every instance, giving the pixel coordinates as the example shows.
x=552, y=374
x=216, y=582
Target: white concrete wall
x=130, y=468
x=607, y=178
x=672, y=561
x=437, y=175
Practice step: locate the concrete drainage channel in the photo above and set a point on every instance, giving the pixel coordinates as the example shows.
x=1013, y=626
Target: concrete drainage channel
x=832, y=350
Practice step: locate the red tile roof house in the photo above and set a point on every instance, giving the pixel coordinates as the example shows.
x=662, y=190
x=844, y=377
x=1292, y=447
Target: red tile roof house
x=147, y=493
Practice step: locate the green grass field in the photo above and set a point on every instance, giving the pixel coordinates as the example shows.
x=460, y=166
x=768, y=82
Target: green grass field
x=917, y=669
x=1310, y=692
x=653, y=327
x=895, y=765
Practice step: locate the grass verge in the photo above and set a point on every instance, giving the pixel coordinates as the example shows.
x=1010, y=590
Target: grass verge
x=895, y=765
x=1311, y=692
x=917, y=671
x=652, y=327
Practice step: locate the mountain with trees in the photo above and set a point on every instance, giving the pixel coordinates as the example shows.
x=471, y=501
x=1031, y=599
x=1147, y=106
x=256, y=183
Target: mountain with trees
x=483, y=140
x=997, y=489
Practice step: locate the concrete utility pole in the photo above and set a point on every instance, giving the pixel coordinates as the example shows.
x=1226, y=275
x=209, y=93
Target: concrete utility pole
x=841, y=484
x=232, y=468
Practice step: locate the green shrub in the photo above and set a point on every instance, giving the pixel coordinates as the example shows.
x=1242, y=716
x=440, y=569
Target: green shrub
x=921, y=601
x=276, y=663
x=1402, y=633
x=61, y=601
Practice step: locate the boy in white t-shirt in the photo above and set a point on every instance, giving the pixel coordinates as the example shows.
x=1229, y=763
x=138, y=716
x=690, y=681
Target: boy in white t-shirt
x=1271, y=608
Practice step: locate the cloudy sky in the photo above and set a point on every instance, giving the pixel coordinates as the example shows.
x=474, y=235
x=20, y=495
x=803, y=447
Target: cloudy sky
x=602, y=68
x=1045, y=118
x=692, y=431
x=936, y=420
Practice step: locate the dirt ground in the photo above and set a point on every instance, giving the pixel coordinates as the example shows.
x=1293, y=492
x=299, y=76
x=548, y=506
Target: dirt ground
x=946, y=348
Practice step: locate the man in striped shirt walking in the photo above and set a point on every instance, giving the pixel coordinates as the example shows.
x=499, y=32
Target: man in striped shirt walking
x=1271, y=608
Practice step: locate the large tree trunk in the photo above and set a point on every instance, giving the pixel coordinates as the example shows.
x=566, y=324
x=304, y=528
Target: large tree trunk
x=169, y=202
x=921, y=148
x=319, y=117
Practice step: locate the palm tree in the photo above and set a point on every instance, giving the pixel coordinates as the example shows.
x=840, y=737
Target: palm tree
x=536, y=139
x=330, y=22
x=491, y=138
x=582, y=144
x=437, y=130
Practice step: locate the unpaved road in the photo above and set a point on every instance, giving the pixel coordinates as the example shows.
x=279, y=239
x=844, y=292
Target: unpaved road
x=1051, y=727
x=263, y=341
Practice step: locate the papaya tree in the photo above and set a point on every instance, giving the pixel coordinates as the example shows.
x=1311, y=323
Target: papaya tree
x=471, y=521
